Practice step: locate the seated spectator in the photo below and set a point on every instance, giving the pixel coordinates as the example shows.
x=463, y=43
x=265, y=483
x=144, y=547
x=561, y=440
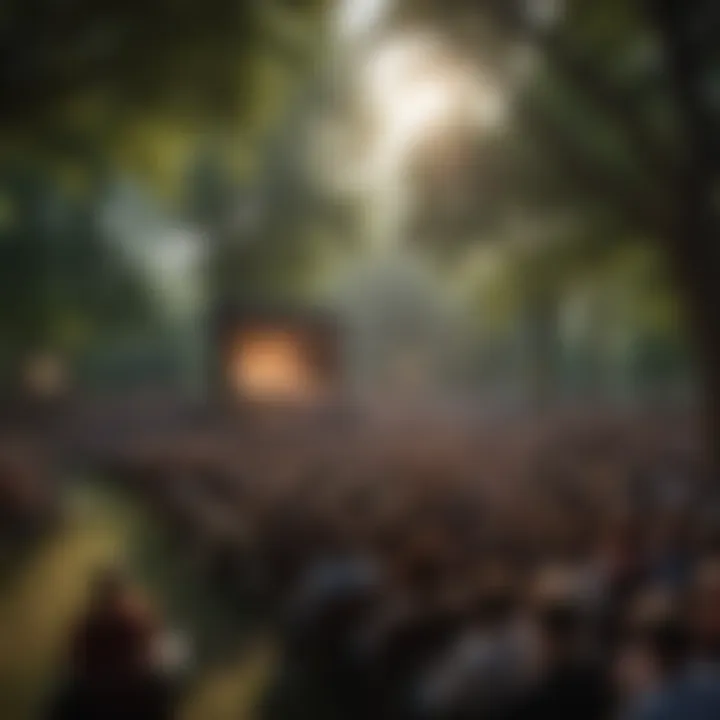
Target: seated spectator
x=487, y=666
x=571, y=683
x=704, y=612
x=675, y=689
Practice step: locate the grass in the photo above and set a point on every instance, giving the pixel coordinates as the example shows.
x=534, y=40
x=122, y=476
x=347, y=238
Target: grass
x=44, y=593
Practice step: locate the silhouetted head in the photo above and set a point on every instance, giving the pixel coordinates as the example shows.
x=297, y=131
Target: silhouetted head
x=657, y=624
x=108, y=585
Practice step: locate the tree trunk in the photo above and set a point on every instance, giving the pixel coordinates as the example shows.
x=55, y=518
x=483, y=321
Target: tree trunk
x=693, y=251
x=693, y=243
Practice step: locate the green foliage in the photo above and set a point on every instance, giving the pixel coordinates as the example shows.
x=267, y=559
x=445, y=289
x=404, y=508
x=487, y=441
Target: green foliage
x=183, y=59
x=595, y=140
x=95, y=91
x=62, y=284
x=140, y=81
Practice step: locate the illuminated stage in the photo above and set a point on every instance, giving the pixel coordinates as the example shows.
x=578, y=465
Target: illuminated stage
x=278, y=355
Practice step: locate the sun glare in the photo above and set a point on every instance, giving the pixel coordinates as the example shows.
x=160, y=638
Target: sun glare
x=355, y=17
x=415, y=88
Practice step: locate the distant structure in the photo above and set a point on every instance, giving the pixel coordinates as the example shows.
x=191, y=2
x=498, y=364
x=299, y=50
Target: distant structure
x=277, y=354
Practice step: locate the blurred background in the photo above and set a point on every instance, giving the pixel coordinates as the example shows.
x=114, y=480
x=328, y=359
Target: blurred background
x=254, y=250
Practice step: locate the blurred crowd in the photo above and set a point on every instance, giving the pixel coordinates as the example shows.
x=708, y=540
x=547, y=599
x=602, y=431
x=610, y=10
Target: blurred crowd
x=448, y=569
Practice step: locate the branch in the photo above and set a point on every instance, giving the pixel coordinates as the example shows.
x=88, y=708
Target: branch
x=585, y=78
x=136, y=54
x=688, y=60
x=639, y=208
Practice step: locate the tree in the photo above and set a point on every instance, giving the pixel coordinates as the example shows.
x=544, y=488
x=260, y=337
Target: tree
x=63, y=285
x=91, y=90
x=175, y=58
x=620, y=119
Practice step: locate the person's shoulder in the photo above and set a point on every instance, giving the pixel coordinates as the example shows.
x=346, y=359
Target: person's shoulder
x=591, y=676
x=702, y=685
x=653, y=706
x=674, y=701
x=67, y=702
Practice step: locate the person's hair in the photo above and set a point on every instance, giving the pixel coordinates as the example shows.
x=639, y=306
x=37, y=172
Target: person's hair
x=107, y=583
x=495, y=598
x=659, y=623
x=560, y=621
x=669, y=641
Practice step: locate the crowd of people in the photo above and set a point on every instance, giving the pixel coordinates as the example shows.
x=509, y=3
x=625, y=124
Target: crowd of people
x=434, y=569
